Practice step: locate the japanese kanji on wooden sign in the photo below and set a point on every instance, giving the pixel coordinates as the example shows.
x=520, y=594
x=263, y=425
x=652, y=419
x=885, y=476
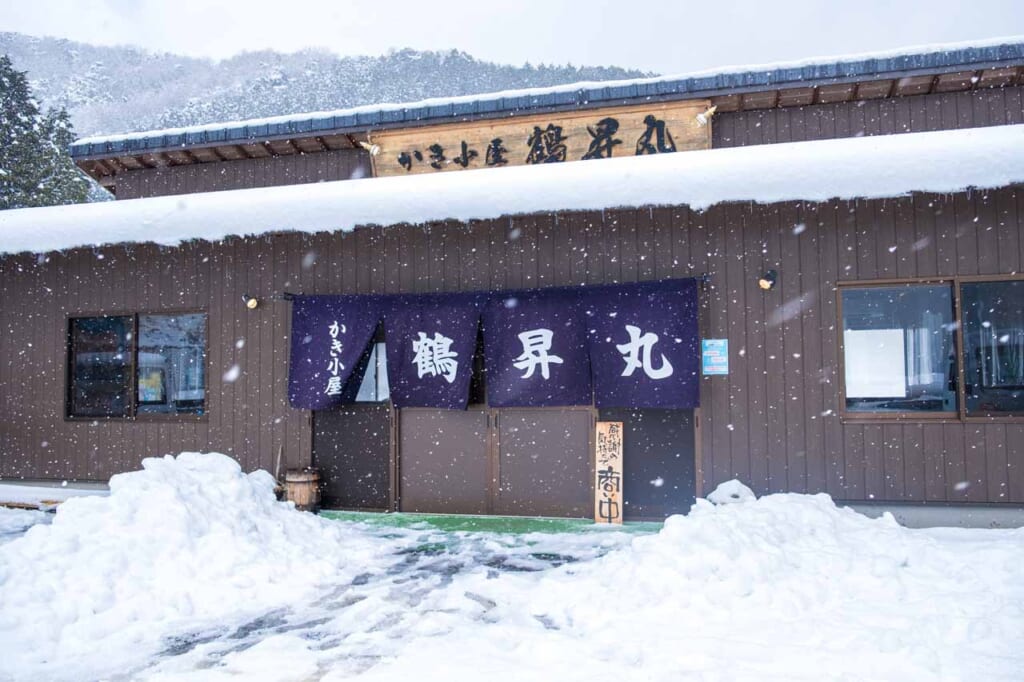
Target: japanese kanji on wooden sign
x=544, y=138
x=608, y=491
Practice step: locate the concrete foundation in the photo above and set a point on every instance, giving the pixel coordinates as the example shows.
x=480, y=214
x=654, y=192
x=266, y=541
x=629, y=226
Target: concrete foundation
x=952, y=516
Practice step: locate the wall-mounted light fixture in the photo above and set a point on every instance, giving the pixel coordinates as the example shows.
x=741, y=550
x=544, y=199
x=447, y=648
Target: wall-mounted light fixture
x=374, y=149
x=767, y=280
x=704, y=117
x=251, y=302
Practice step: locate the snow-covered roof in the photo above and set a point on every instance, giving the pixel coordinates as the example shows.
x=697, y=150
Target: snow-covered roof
x=907, y=61
x=870, y=167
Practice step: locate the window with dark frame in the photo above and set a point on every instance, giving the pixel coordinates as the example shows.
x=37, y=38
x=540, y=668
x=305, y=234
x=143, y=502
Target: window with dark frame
x=993, y=328
x=129, y=365
x=100, y=367
x=898, y=349
x=947, y=349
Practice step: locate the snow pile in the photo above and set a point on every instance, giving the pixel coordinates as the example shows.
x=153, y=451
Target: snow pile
x=731, y=492
x=180, y=544
x=868, y=167
x=784, y=587
x=14, y=521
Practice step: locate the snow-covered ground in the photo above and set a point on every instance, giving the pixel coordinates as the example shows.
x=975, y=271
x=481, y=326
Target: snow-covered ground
x=190, y=570
x=44, y=497
x=14, y=522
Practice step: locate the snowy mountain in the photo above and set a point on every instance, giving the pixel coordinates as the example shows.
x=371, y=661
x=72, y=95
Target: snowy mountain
x=125, y=89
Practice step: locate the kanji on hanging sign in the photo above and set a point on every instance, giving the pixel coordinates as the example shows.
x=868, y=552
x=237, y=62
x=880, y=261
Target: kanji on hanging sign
x=536, y=351
x=544, y=139
x=608, y=492
x=329, y=336
x=435, y=357
x=621, y=345
x=335, y=366
x=535, y=347
x=644, y=349
x=430, y=343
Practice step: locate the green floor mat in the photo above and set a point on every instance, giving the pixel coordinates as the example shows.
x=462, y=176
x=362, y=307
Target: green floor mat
x=487, y=524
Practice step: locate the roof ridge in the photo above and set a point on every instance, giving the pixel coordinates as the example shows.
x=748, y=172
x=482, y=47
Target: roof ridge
x=726, y=79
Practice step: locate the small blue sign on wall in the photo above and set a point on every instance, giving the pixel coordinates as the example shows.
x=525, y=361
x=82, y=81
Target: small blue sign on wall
x=714, y=354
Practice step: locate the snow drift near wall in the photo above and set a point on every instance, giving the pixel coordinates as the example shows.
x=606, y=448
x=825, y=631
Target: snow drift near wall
x=179, y=544
x=785, y=587
x=868, y=167
x=191, y=550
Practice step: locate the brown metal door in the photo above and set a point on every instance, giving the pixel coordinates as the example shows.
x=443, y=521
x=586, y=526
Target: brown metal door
x=444, y=460
x=544, y=462
x=351, y=447
x=658, y=461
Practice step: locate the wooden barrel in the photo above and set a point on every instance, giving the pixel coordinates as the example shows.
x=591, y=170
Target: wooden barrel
x=302, y=486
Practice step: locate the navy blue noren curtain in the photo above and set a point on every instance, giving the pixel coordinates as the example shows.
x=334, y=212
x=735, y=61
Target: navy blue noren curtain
x=535, y=350
x=329, y=336
x=644, y=344
x=622, y=345
x=431, y=339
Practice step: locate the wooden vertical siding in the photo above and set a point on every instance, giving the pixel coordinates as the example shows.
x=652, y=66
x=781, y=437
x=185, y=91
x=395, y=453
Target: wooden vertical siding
x=772, y=422
x=916, y=114
x=295, y=169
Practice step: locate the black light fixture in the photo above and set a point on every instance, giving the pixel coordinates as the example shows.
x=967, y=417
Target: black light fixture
x=767, y=280
x=251, y=302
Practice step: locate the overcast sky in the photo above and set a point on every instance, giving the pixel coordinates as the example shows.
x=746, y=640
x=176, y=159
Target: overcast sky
x=665, y=36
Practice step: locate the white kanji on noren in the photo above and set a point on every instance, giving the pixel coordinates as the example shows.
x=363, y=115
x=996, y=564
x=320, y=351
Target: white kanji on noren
x=435, y=357
x=637, y=354
x=334, y=364
x=536, y=344
x=333, y=386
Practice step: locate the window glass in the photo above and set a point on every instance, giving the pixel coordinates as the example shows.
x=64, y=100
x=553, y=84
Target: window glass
x=374, y=386
x=898, y=348
x=993, y=321
x=100, y=367
x=478, y=380
x=172, y=364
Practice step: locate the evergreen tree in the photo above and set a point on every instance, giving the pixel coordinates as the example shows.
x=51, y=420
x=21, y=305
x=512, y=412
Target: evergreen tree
x=35, y=167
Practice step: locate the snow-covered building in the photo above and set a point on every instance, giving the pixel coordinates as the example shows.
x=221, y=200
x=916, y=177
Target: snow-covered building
x=806, y=276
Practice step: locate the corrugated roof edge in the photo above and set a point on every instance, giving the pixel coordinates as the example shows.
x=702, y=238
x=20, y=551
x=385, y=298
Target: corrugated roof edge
x=365, y=117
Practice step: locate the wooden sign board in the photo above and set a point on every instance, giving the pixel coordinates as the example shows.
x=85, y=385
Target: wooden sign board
x=608, y=490
x=544, y=138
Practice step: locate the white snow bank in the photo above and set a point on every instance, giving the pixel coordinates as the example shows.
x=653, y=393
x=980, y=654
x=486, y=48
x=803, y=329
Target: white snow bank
x=731, y=492
x=42, y=496
x=785, y=587
x=871, y=167
x=14, y=521
x=181, y=543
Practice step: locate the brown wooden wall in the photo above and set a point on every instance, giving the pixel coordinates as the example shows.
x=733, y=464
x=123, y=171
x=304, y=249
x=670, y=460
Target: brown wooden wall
x=772, y=422
x=295, y=169
x=916, y=114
